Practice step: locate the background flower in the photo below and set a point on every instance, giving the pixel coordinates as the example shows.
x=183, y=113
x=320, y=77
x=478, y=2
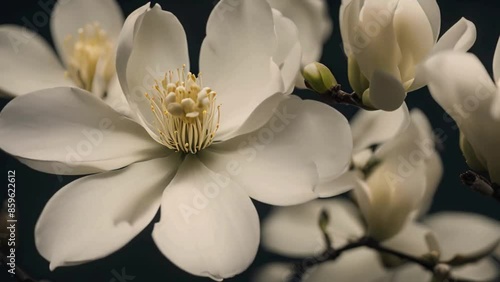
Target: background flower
x=463, y=87
x=85, y=35
x=387, y=40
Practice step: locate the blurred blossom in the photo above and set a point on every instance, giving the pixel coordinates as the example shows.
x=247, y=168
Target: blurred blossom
x=395, y=168
x=463, y=88
x=386, y=42
x=314, y=26
x=394, y=184
x=459, y=236
x=85, y=34
x=386, y=211
x=400, y=176
x=198, y=146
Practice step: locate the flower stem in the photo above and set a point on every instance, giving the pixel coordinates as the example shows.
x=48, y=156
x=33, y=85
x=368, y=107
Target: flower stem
x=300, y=268
x=338, y=96
x=480, y=184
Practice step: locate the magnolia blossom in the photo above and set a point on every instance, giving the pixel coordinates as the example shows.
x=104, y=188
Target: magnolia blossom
x=314, y=26
x=396, y=180
x=198, y=146
x=462, y=86
x=379, y=213
x=386, y=41
x=457, y=236
x=85, y=34
x=453, y=234
x=392, y=185
x=399, y=177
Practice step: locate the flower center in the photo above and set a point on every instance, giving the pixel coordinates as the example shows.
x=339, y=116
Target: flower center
x=186, y=115
x=90, y=56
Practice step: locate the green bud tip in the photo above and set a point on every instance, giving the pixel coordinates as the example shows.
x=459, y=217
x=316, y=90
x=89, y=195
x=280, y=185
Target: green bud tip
x=324, y=220
x=318, y=77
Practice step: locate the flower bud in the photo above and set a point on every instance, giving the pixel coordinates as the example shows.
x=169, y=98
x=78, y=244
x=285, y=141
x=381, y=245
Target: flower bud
x=442, y=272
x=324, y=220
x=319, y=78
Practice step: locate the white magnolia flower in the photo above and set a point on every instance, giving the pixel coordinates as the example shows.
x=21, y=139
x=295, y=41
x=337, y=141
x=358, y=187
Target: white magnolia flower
x=386, y=41
x=457, y=234
x=402, y=175
x=314, y=26
x=396, y=180
x=85, y=34
x=463, y=88
x=197, y=154
x=399, y=178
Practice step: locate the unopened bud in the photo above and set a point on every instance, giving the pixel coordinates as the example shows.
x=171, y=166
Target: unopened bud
x=319, y=77
x=324, y=220
x=442, y=272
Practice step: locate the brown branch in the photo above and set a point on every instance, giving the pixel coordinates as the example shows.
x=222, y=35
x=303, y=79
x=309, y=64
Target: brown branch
x=480, y=184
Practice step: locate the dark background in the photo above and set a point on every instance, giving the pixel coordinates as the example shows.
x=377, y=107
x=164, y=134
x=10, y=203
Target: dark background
x=140, y=257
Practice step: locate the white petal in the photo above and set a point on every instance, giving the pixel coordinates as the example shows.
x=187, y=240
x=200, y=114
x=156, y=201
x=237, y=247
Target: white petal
x=483, y=270
x=70, y=131
x=273, y=272
x=258, y=118
x=409, y=273
x=434, y=174
x=209, y=226
x=386, y=91
x=236, y=59
x=96, y=215
x=496, y=63
x=32, y=64
x=294, y=231
x=454, y=231
x=410, y=240
x=313, y=23
x=116, y=99
x=303, y=139
x=415, y=37
x=389, y=196
x=343, y=24
x=412, y=147
x=150, y=45
x=375, y=127
x=460, y=37
x=463, y=88
x=69, y=16
x=289, y=52
x=344, y=183
x=431, y=9
x=354, y=265
x=373, y=43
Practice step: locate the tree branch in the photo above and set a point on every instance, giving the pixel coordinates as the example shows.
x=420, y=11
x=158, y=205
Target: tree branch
x=480, y=184
x=337, y=96
x=300, y=268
